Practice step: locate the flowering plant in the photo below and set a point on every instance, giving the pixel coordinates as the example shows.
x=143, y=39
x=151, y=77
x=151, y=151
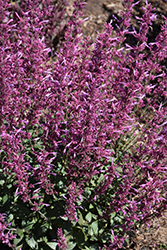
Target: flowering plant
x=79, y=165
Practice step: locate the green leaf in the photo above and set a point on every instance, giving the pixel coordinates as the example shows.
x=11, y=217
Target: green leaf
x=107, y=237
x=93, y=183
x=94, y=226
x=88, y=217
x=9, y=186
x=80, y=219
x=99, y=210
x=10, y=217
x=68, y=236
x=111, y=221
x=101, y=231
x=91, y=206
x=87, y=248
x=2, y=182
x=119, y=169
x=64, y=218
x=5, y=198
x=32, y=243
x=71, y=245
x=42, y=239
x=163, y=246
x=19, y=237
x=127, y=241
x=20, y=232
x=40, y=230
x=52, y=245
x=112, y=215
x=19, y=247
x=101, y=178
x=29, y=226
x=94, y=216
x=90, y=231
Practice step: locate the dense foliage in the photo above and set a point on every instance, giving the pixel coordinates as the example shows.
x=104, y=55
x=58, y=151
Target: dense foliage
x=84, y=136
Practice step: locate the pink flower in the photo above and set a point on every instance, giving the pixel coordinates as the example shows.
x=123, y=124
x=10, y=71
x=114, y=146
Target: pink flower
x=61, y=242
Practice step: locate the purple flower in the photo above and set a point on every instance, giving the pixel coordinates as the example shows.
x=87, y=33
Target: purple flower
x=98, y=108
x=61, y=242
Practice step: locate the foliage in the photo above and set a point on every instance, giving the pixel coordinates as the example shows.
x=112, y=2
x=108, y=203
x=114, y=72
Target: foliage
x=79, y=166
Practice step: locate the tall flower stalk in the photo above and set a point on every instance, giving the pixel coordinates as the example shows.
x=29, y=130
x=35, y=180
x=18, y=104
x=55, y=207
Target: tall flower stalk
x=77, y=118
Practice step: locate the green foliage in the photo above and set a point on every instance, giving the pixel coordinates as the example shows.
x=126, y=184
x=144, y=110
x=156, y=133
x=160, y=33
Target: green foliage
x=35, y=232
x=163, y=246
x=37, y=229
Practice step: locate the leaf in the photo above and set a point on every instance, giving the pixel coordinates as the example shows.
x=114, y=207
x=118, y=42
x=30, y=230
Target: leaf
x=20, y=232
x=101, y=178
x=126, y=242
x=119, y=169
x=107, y=237
x=64, y=218
x=111, y=221
x=52, y=245
x=93, y=183
x=71, y=245
x=91, y=206
x=9, y=186
x=19, y=247
x=29, y=226
x=101, y=231
x=112, y=215
x=42, y=239
x=10, y=217
x=94, y=216
x=68, y=236
x=32, y=243
x=40, y=230
x=5, y=198
x=94, y=226
x=88, y=217
x=100, y=211
x=90, y=230
x=19, y=237
x=80, y=219
x=2, y=182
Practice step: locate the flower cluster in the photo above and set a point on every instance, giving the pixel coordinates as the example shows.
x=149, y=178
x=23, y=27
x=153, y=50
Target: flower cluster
x=98, y=108
x=5, y=233
x=61, y=242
